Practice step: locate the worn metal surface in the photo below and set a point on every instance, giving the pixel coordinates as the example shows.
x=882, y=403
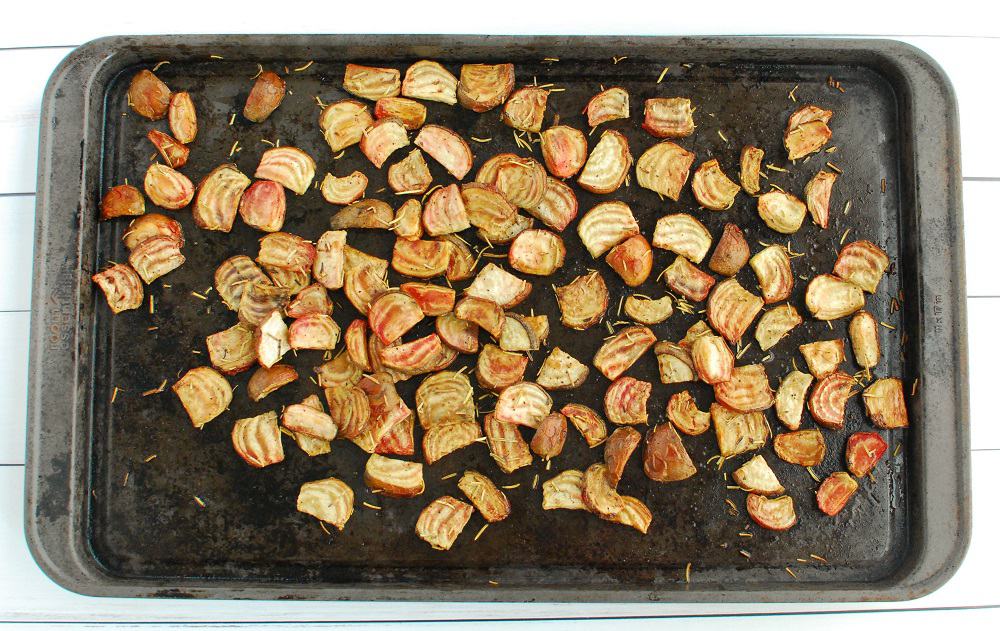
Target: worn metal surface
x=96, y=532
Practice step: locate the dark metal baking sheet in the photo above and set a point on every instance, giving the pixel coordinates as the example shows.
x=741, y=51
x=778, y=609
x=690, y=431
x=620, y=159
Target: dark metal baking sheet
x=96, y=532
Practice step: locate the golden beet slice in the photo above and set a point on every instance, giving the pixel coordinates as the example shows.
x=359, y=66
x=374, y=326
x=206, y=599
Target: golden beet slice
x=609, y=105
x=482, y=87
x=444, y=212
x=486, y=206
x=665, y=458
x=605, y=226
x=713, y=359
x=829, y=297
x=750, y=159
x=496, y=368
x=732, y=309
x=807, y=131
x=122, y=287
x=430, y=81
x=182, y=118
x=409, y=112
x=167, y=188
x=219, y=197
x=257, y=440
x=607, y=165
x=328, y=266
x=442, y=440
x=864, y=339
x=805, y=447
x=344, y=122
x=525, y=108
x=289, y=166
x=384, y=137
x=682, y=234
x=232, y=351
x=204, y=393
x=885, y=403
x=647, y=310
x=823, y=357
x=461, y=335
x=265, y=96
x=393, y=477
x=818, y=192
x=507, y=447
x=445, y=397
x=862, y=263
x=410, y=175
x=537, y=252
x=266, y=380
x=599, y=496
x=624, y=348
x=156, y=257
x=498, y=285
x=371, y=83
x=344, y=190
x=669, y=117
x=562, y=371
x=774, y=273
x=775, y=324
x=712, y=188
x=664, y=169
x=565, y=491
x=421, y=259
x=772, y=514
x=564, y=150
x=525, y=403
x=748, y=390
x=781, y=211
x=558, y=207
x=490, y=501
x=329, y=500
x=482, y=312
x=674, y=362
x=683, y=412
x=738, y=432
x=312, y=300
x=588, y=422
x=756, y=476
x=686, y=279
x=148, y=96
x=583, y=302
x=408, y=222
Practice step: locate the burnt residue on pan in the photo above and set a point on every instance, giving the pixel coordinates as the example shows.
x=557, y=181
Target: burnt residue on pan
x=196, y=511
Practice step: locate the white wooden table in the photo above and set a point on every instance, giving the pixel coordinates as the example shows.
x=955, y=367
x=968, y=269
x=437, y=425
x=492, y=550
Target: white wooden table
x=33, y=39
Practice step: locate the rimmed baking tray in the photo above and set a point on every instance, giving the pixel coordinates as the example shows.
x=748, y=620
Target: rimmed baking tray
x=102, y=520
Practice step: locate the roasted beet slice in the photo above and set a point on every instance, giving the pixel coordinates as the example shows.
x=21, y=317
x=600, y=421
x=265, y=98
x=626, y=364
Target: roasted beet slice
x=387, y=408
x=805, y=447
x=599, y=496
x=316, y=331
x=647, y=310
x=384, y=137
x=518, y=335
x=496, y=368
x=173, y=152
x=394, y=478
x=289, y=166
x=731, y=253
x=750, y=159
x=364, y=283
x=561, y=371
x=606, y=225
x=864, y=450
x=328, y=266
x=461, y=335
x=156, y=257
x=756, y=476
x=525, y=108
x=524, y=403
x=590, y=425
x=232, y=351
x=410, y=113
x=564, y=150
x=430, y=81
x=772, y=514
x=609, y=105
x=711, y=188
x=617, y=450
x=167, y=188
x=537, y=252
x=356, y=343
x=682, y=234
x=829, y=397
x=259, y=299
x=265, y=96
x=219, y=197
x=482, y=87
x=421, y=259
x=329, y=500
x=257, y=440
x=713, y=360
x=122, y=287
x=732, y=309
x=482, y=312
x=417, y=357
x=824, y=357
x=398, y=441
x=634, y=514
x=148, y=96
x=263, y=206
x=486, y=206
x=265, y=380
x=583, y=302
x=775, y=324
x=434, y=300
x=122, y=200
x=182, y=117
x=442, y=521
x=410, y=175
x=339, y=371
x=441, y=440
x=791, y=398
x=632, y=259
x=349, y=408
x=669, y=117
x=490, y=501
x=447, y=147
x=885, y=403
x=683, y=412
x=835, y=491
x=807, y=131
x=522, y=181
x=607, y=165
x=233, y=276
x=364, y=213
x=558, y=206
x=344, y=123
x=623, y=349
x=738, y=432
x=204, y=393
x=408, y=224
x=550, y=436
x=271, y=339
x=664, y=169
x=507, y=447
x=864, y=339
x=344, y=190
x=371, y=83
x=675, y=362
x=862, y=263
x=818, y=191
x=503, y=234
x=625, y=401
x=665, y=458
x=781, y=211
x=686, y=279
x=774, y=273
x=565, y=491
x=444, y=212
x=496, y=284
x=830, y=298
x=747, y=390
x=445, y=397
x=287, y=251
